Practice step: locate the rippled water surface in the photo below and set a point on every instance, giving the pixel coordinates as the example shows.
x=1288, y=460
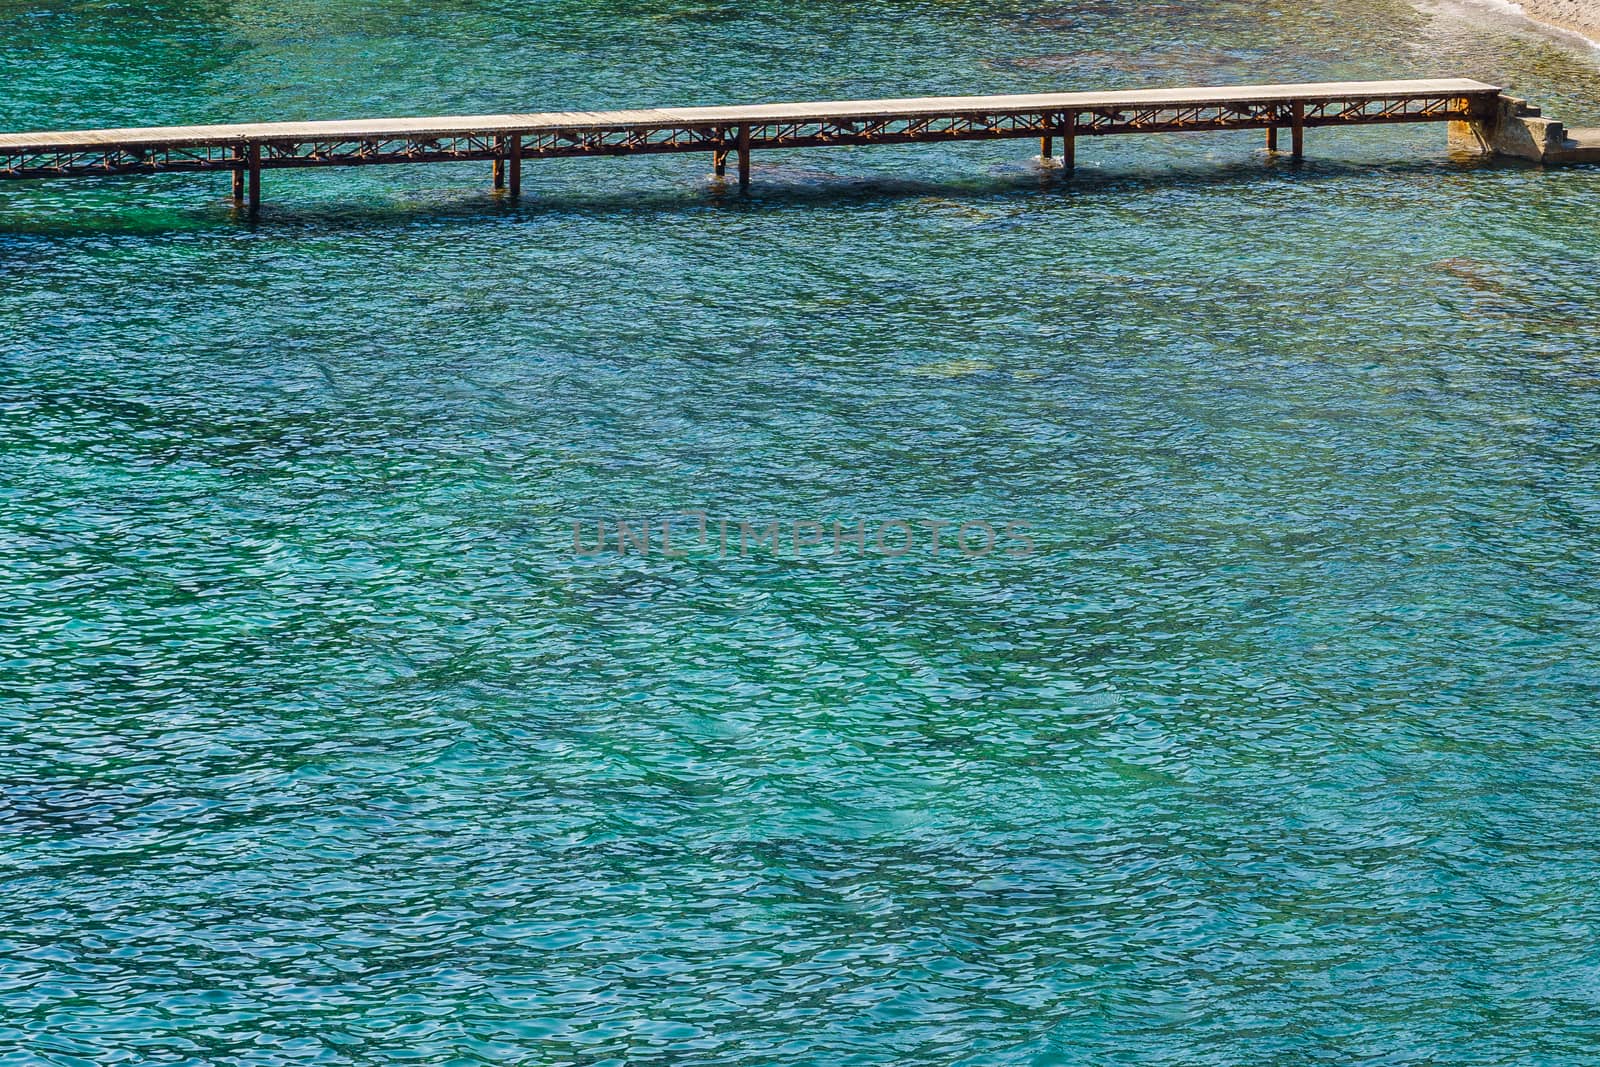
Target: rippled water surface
x=319, y=744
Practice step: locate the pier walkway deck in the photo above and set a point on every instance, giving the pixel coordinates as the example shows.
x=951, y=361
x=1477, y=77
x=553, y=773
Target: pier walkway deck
x=506, y=140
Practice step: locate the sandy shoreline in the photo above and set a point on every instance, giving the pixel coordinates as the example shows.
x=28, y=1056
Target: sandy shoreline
x=1581, y=17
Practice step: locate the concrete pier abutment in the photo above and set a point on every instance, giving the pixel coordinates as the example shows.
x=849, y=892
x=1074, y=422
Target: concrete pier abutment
x=1510, y=126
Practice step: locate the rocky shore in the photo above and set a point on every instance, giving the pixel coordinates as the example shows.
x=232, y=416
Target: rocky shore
x=1579, y=16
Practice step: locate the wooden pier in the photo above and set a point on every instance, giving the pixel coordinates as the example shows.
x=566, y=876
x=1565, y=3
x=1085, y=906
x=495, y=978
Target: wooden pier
x=505, y=141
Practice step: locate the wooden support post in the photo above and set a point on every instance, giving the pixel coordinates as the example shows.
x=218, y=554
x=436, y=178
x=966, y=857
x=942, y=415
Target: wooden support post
x=1299, y=131
x=1272, y=138
x=499, y=167
x=238, y=175
x=514, y=166
x=744, y=158
x=254, y=160
x=719, y=163
x=1069, y=142
x=1046, y=148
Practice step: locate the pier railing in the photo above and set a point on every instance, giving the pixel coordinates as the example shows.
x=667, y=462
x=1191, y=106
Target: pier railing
x=507, y=140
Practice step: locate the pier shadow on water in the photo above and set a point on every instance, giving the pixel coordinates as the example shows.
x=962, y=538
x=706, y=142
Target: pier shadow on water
x=121, y=206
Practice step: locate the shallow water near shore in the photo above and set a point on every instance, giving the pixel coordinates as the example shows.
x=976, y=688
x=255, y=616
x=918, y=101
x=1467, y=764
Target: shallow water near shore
x=320, y=744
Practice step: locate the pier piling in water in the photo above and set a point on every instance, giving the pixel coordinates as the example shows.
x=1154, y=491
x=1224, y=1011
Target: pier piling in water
x=503, y=140
x=255, y=179
x=744, y=157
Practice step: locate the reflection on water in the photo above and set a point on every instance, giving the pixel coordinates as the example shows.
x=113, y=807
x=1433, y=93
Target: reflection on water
x=320, y=744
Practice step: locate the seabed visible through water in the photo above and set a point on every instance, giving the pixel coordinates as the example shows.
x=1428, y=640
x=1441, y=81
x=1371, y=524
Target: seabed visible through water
x=321, y=743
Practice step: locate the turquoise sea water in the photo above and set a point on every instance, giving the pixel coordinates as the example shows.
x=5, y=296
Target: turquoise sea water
x=319, y=744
